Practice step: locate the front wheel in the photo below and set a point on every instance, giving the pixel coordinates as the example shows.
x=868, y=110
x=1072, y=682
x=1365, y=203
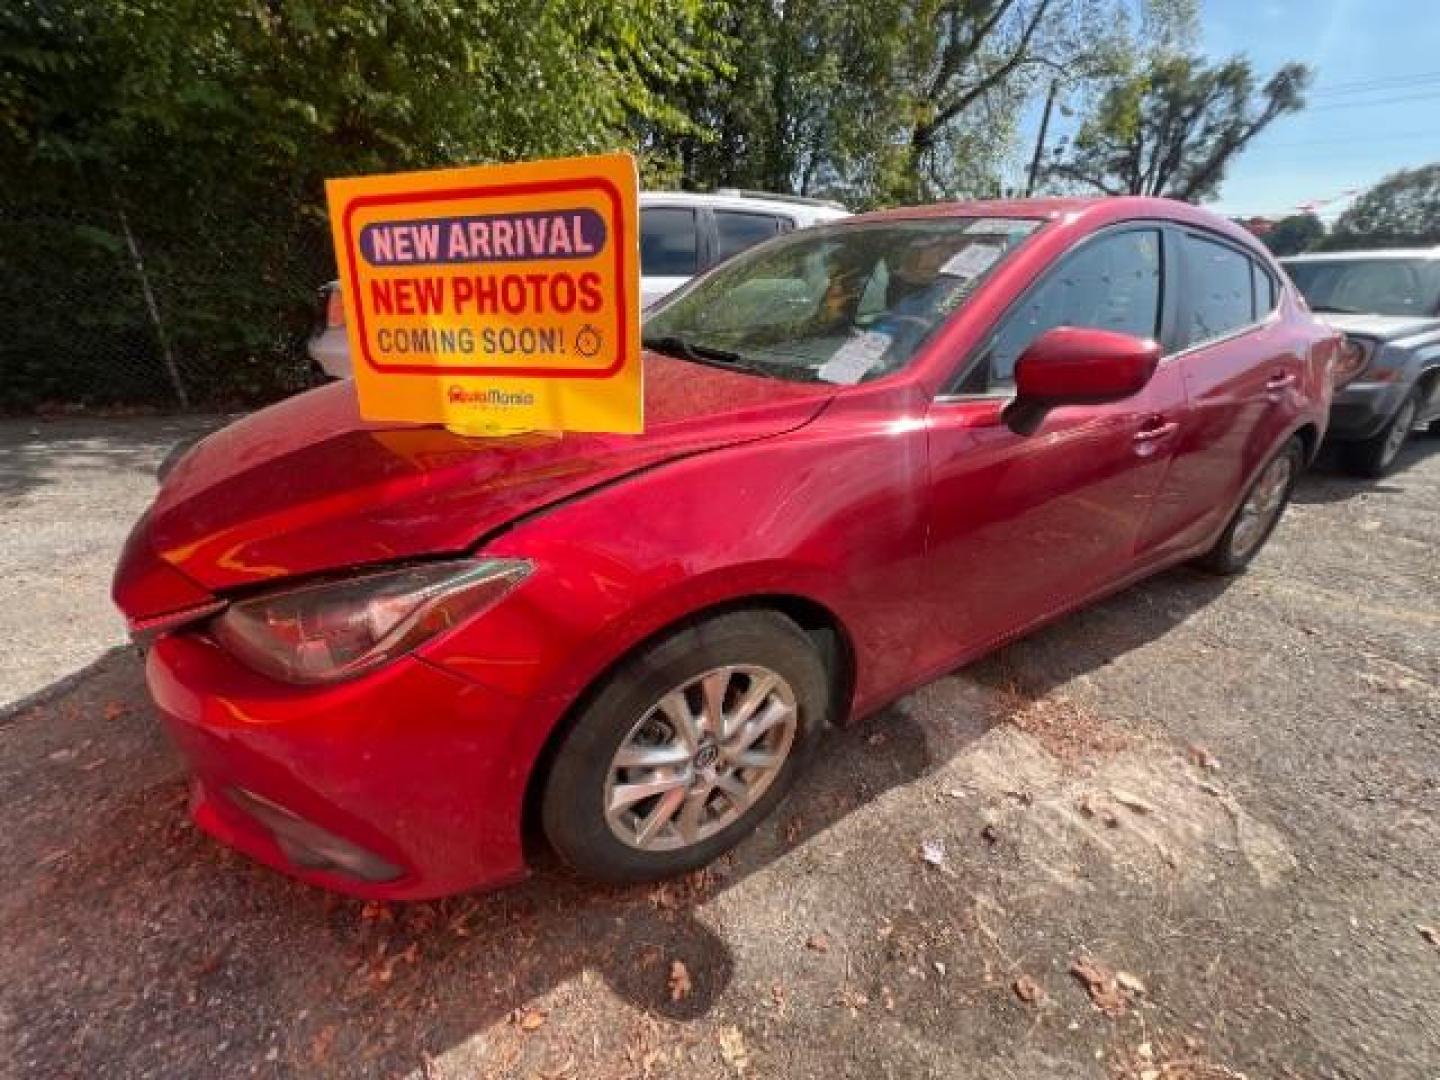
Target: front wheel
x=1259, y=512
x=1374, y=457
x=686, y=748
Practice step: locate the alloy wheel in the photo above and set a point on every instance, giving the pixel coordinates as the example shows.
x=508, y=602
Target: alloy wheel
x=700, y=757
x=1262, y=506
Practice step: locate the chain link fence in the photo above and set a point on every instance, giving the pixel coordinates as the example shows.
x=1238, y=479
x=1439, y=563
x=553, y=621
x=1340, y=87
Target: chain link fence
x=113, y=307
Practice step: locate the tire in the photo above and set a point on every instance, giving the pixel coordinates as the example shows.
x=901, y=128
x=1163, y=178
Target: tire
x=636, y=710
x=1246, y=534
x=1375, y=456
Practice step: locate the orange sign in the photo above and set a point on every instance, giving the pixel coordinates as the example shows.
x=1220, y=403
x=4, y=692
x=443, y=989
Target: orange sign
x=496, y=298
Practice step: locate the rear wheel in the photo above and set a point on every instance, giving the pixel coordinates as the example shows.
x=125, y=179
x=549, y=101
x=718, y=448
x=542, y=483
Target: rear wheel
x=1375, y=456
x=686, y=748
x=1259, y=512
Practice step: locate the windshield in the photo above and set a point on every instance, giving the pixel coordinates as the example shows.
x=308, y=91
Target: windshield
x=1371, y=286
x=836, y=304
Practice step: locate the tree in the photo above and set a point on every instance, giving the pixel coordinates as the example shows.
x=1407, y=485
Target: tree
x=1173, y=127
x=1294, y=234
x=1402, y=210
x=882, y=101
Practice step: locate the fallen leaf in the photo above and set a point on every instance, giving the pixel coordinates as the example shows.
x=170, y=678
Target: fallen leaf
x=933, y=852
x=1105, y=991
x=1028, y=990
x=1129, y=983
x=320, y=1046
x=679, y=981
x=1131, y=802
x=1430, y=934
x=528, y=1019
x=818, y=943
x=732, y=1049
x=114, y=710
x=1200, y=757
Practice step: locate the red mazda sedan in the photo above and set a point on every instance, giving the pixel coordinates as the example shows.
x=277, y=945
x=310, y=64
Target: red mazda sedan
x=874, y=450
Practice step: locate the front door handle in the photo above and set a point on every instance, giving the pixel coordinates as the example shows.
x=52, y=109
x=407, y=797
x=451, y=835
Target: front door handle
x=1156, y=432
x=1281, y=380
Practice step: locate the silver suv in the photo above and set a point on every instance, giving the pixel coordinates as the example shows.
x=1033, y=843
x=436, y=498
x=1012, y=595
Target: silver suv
x=681, y=234
x=1387, y=304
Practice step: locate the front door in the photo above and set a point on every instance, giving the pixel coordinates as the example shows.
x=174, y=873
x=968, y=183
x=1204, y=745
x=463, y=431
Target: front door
x=1022, y=526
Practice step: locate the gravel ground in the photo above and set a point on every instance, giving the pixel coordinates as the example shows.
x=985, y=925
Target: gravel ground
x=1191, y=832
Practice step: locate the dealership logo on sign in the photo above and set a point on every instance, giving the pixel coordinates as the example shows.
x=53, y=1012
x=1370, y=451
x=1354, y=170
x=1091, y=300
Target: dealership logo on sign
x=495, y=298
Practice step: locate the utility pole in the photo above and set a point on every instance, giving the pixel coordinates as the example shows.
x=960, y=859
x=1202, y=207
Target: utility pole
x=1040, y=139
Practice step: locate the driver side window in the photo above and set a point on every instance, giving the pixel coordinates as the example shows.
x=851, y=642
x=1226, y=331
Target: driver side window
x=1112, y=283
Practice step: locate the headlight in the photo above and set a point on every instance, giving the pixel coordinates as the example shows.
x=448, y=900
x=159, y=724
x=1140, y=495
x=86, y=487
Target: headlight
x=335, y=630
x=1350, y=361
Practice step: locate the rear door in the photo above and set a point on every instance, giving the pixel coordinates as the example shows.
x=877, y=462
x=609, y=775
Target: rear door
x=1022, y=526
x=1242, y=370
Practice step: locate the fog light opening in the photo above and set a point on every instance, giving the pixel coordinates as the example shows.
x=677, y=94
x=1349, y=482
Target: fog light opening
x=310, y=847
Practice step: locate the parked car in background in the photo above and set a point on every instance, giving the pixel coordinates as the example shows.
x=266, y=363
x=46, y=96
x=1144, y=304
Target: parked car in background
x=681, y=234
x=1387, y=303
x=874, y=450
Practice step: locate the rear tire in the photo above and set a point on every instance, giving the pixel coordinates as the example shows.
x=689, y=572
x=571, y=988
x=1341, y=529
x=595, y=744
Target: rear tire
x=652, y=726
x=1258, y=513
x=1375, y=456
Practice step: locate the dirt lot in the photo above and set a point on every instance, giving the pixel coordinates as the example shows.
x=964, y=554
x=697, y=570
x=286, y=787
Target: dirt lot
x=1189, y=833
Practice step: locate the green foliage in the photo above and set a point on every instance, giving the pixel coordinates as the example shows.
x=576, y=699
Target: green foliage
x=878, y=102
x=1172, y=126
x=1403, y=210
x=1294, y=234
x=208, y=127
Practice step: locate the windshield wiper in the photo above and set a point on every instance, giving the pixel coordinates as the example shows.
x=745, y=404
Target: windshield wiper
x=700, y=354
x=697, y=353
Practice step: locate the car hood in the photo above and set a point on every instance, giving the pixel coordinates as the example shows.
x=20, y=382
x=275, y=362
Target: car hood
x=308, y=486
x=1380, y=327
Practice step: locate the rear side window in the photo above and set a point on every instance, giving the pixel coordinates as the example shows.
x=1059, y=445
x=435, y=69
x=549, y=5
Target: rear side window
x=737, y=231
x=669, y=242
x=1112, y=283
x=1222, y=293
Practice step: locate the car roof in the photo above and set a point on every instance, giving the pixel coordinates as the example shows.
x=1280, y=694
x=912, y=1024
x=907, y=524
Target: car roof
x=793, y=206
x=1348, y=256
x=1092, y=211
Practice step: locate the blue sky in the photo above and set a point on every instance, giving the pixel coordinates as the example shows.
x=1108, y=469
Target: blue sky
x=1374, y=105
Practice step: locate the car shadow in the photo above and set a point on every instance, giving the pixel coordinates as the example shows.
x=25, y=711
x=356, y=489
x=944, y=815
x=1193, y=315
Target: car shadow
x=1327, y=482
x=140, y=946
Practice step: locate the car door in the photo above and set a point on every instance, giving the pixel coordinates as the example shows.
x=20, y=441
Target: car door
x=1241, y=367
x=672, y=249
x=1022, y=526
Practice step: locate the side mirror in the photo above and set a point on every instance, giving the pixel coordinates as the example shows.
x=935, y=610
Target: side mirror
x=1073, y=366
